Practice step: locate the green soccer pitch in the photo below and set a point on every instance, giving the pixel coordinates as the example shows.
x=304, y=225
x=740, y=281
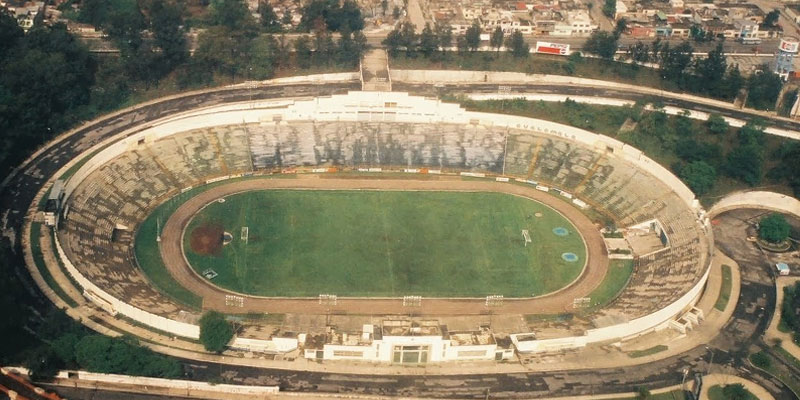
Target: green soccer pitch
x=387, y=243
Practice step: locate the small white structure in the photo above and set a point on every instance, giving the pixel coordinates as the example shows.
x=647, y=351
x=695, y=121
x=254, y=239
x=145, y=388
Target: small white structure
x=783, y=269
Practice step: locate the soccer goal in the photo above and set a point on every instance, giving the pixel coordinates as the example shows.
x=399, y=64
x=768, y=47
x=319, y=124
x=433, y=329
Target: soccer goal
x=245, y=234
x=526, y=236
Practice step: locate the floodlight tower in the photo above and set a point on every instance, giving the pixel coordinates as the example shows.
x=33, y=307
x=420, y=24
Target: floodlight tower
x=785, y=58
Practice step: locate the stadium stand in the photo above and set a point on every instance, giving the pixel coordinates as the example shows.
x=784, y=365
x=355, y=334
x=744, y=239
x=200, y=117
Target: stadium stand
x=109, y=203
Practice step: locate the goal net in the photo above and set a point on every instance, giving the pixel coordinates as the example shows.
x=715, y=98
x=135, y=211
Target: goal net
x=526, y=236
x=245, y=234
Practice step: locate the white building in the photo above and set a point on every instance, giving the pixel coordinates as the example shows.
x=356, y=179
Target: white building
x=405, y=342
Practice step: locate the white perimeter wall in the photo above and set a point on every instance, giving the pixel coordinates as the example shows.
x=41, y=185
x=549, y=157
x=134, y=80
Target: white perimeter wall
x=757, y=199
x=378, y=106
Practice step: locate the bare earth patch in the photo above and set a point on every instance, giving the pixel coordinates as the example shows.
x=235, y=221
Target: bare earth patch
x=206, y=239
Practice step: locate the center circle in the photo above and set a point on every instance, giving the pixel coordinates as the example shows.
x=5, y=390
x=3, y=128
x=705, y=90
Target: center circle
x=364, y=243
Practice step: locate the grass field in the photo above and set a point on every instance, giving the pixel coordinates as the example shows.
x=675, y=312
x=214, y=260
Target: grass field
x=715, y=393
x=365, y=243
x=725, y=290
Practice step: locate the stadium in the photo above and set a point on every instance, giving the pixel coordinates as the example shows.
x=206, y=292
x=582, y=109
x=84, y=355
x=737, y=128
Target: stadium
x=389, y=215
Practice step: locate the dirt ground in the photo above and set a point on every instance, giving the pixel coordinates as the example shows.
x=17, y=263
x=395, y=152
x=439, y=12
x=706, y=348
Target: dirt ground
x=206, y=239
x=214, y=297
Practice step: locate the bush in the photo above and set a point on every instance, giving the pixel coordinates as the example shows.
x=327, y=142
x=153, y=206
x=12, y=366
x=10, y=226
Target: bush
x=774, y=228
x=215, y=331
x=761, y=360
x=98, y=353
x=699, y=176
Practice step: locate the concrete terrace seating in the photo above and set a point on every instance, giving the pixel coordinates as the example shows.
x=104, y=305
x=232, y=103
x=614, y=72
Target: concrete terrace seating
x=126, y=189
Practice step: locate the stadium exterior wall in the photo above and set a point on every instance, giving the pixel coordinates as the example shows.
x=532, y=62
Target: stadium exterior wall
x=374, y=106
x=756, y=199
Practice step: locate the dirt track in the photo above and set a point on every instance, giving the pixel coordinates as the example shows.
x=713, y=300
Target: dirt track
x=214, y=297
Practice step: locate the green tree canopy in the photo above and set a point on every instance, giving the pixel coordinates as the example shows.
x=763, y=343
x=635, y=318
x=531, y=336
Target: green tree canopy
x=98, y=353
x=428, y=42
x=332, y=14
x=215, y=331
x=774, y=228
x=763, y=90
x=699, y=176
x=473, y=36
x=232, y=14
x=602, y=44
x=735, y=391
x=746, y=164
x=610, y=8
x=519, y=48
x=444, y=32
x=716, y=124
x=496, y=40
x=269, y=19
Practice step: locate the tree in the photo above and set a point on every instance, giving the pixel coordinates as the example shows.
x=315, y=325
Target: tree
x=262, y=57
x=788, y=168
x=745, y=163
x=286, y=20
x=699, y=176
x=496, y=40
x=691, y=150
x=642, y=393
x=332, y=14
x=763, y=90
x=735, y=391
x=516, y=43
x=444, y=32
x=730, y=86
x=10, y=33
x=711, y=70
x=94, y=12
x=639, y=52
x=98, y=353
x=396, y=13
x=461, y=44
x=602, y=44
x=324, y=47
x=166, y=23
x=229, y=13
x=683, y=124
x=408, y=37
x=303, y=53
x=428, y=42
x=774, y=228
x=393, y=42
x=384, y=6
x=620, y=27
x=221, y=50
x=473, y=36
x=610, y=8
x=675, y=61
x=772, y=17
x=269, y=19
x=698, y=34
x=716, y=124
x=124, y=25
x=215, y=331
x=752, y=133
